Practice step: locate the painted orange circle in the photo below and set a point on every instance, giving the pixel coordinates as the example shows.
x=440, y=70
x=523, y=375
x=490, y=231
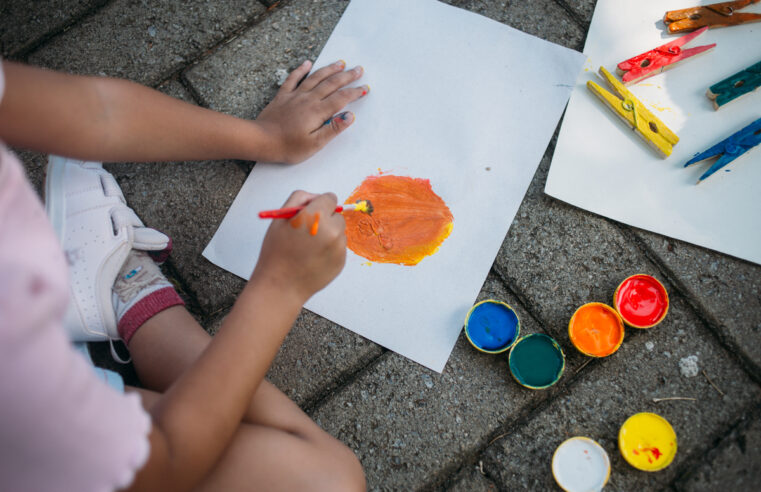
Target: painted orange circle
x=408, y=223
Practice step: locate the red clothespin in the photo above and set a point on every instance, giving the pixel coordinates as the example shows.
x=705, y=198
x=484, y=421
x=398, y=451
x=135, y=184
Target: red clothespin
x=659, y=59
x=714, y=15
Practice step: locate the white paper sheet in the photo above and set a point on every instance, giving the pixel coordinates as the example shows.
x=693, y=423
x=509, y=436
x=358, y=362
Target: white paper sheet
x=601, y=166
x=456, y=98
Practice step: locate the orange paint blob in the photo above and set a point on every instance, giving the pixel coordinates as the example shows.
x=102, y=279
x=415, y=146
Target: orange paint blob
x=315, y=224
x=409, y=221
x=596, y=329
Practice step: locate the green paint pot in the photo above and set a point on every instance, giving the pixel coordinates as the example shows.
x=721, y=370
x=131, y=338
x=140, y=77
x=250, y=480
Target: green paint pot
x=537, y=361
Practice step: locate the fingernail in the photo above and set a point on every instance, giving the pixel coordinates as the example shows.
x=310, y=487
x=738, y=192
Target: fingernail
x=340, y=64
x=365, y=90
x=357, y=70
x=347, y=116
x=305, y=63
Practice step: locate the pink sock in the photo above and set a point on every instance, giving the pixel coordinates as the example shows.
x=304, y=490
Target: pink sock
x=140, y=292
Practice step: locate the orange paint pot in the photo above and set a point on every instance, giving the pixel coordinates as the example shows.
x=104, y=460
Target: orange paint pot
x=596, y=329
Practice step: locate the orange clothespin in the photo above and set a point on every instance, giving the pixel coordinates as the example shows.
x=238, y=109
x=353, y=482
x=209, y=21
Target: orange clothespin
x=661, y=58
x=714, y=15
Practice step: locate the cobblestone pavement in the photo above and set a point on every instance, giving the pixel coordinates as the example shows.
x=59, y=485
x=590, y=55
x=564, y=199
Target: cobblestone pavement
x=471, y=428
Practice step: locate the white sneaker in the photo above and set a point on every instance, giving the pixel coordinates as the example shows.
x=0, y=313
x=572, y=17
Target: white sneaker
x=97, y=230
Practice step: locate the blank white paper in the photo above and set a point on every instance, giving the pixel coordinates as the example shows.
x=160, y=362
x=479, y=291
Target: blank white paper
x=601, y=166
x=456, y=98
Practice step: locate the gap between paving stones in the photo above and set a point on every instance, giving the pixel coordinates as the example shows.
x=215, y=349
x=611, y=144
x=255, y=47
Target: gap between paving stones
x=583, y=24
x=24, y=51
x=701, y=312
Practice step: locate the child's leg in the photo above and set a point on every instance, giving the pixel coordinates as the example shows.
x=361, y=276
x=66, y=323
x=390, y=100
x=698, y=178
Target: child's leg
x=277, y=445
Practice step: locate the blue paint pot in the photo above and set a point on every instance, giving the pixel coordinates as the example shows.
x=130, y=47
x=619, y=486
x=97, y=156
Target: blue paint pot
x=492, y=326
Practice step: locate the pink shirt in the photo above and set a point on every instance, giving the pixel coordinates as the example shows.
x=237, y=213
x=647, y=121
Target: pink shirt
x=61, y=427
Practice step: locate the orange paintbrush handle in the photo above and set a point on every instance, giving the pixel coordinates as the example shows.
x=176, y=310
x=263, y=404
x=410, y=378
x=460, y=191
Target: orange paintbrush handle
x=287, y=213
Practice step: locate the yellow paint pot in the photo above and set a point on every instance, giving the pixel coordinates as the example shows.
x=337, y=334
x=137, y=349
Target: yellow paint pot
x=647, y=441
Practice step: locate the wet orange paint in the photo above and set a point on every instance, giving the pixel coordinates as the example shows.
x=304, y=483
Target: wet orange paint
x=409, y=221
x=315, y=224
x=596, y=329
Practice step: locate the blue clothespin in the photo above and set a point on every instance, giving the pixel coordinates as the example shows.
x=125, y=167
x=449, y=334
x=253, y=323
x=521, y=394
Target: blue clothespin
x=730, y=149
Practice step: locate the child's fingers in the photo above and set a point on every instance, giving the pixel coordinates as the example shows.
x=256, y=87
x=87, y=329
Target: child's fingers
x=293, y=79
x=333, y=127
x=336, y=81
x=299, y=198
x=321, y=74
x=339, y=99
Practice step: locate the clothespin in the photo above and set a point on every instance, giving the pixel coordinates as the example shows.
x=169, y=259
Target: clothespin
x=635, y=114
x=730, y=148
x=661, y=58
x=737, y=85
x=714, y=15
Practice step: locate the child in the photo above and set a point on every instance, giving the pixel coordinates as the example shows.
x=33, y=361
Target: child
x=208, y=419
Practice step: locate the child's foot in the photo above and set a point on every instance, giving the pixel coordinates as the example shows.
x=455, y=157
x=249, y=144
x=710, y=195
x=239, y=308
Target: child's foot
x=140, y=292
x=97, y=231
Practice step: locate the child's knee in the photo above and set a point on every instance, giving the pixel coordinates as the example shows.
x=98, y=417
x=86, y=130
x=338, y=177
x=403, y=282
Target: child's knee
x=342, y=470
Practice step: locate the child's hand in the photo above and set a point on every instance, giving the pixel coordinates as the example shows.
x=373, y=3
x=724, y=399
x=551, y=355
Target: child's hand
x=302, y=118
x=302, y=255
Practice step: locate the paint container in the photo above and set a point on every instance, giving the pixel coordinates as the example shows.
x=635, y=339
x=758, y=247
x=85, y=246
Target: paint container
x=596, y=329
x=492, y=326
x=537, y=361
x=647, y=441
x=642, y=301
x=580, y=465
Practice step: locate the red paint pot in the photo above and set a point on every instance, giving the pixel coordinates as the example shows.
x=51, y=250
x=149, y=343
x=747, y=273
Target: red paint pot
x=642, y=301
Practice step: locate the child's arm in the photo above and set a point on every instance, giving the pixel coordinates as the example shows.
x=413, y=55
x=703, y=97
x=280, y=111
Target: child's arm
x=105, y=119
x=195, y=420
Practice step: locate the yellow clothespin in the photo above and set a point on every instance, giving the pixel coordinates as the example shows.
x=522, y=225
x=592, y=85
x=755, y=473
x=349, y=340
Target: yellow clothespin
x=635, y=114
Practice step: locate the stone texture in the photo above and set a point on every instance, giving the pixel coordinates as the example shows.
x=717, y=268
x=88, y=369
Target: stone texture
x=734, y=465
x=471, y=479
x=241, y=77
x=728, y=289
x=316, y=356
x=187, y=201
x=626, y=383
x=144, y=41
x=542, y=18
x=583, y=8
x=410, y=426
x=21, y=27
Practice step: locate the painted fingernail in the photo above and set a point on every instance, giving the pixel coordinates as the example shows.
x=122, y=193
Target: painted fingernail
x=347, y=116
x=340, y=64
x=365, y=89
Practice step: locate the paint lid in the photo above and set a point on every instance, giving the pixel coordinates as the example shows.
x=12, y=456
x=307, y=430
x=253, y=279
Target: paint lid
x=596, y=330
x=537, y=361
x=647, y=441
x=580, y=465
x=641, y=300
x=492, y=326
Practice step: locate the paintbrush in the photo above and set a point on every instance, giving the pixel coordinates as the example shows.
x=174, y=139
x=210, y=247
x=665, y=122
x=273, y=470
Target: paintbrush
x=363, y=206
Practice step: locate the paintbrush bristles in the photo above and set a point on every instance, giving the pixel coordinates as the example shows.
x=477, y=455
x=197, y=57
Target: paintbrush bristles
x=363, y=206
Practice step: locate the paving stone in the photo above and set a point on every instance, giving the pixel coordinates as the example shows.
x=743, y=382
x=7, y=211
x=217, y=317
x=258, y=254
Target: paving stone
x=583, y=8
x=728, y=289
x=187, y=201
x=22, y=25
x=542, y=18
x=315, y=357
x=735, y=464
x=471, y=480
x=559, y=257
x=242, y=76
x=144, y=41
x=626, y=383
x=410, y=427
